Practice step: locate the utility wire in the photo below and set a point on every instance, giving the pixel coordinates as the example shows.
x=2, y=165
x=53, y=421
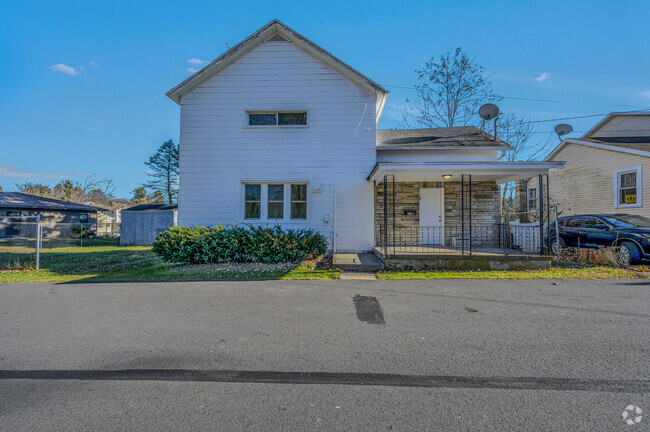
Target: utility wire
x=534, y=99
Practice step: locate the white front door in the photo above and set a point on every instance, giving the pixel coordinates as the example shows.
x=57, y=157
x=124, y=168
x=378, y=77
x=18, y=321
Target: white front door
x=431, y=216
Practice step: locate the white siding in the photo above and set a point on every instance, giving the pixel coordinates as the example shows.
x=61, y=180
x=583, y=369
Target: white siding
x=336, y=151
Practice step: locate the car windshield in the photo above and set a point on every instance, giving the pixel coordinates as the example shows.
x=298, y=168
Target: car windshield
x=628, y=221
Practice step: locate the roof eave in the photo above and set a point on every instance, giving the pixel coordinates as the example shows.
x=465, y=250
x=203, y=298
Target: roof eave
x=504, y=147
x=563, y=144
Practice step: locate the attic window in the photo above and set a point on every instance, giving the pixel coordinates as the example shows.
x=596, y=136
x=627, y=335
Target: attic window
x=287, y=118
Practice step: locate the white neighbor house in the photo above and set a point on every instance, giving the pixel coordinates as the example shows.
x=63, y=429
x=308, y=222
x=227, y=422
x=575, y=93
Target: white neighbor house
x=279, y=130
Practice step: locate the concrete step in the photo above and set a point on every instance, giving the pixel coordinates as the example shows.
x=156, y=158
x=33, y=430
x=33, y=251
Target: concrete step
x=346, y=275
x=361, y=262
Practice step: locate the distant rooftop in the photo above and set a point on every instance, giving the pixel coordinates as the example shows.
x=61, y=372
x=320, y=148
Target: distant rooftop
x=436, y=138
x=152, y=207
x=19, y=200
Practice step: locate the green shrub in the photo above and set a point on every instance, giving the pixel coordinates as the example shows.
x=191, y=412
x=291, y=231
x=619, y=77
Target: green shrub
x=263, y=243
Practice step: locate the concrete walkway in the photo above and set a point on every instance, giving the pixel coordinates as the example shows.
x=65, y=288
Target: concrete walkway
x=360, y=262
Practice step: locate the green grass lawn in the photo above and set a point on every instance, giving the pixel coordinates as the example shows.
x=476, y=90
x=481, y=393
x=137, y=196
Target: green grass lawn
x=137, y=263
x=600, y=272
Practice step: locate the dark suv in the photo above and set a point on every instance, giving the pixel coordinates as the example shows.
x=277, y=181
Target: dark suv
x=630, y=232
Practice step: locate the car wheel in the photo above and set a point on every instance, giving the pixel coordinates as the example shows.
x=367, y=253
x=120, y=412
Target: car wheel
x=556, y=245
x=630, y=252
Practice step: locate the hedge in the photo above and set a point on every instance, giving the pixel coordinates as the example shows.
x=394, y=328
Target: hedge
x=241, y=243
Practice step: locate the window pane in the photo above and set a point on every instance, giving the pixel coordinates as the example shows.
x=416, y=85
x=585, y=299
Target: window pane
x=276, y=210
x=261, y=119
x=292, y=119
x=628, y=180
x=252, y=210
x=298, y=192
x=573, y=223
x=591, y=222
x=253, y=192
x=298, y=210
x=276, y=192
x=628, y=196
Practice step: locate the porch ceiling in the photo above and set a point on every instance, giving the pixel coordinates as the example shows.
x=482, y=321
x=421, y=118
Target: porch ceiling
x=500, y=172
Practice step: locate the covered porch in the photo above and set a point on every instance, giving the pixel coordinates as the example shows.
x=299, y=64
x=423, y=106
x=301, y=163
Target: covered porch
x=448, y=215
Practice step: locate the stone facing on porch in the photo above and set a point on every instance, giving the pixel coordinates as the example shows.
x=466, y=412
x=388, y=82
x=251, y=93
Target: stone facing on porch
x=485, y=205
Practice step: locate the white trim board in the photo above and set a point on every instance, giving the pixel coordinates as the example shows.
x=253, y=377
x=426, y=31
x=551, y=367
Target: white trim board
x=639, y=186
x=594, y=145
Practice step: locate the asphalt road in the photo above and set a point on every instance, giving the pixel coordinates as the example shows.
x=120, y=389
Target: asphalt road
x=325, y=355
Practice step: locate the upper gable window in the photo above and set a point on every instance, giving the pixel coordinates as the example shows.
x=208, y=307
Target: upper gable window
x=284, y=118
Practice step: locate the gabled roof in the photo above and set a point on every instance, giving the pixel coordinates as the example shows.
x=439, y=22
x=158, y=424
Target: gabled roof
x=610, y=116
x=19, y=200
x=635, y=142
x=267, y=32
x=438, y=138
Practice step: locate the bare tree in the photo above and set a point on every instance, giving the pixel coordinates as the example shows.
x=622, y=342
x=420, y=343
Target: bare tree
x=449, y=92
x=519, y=134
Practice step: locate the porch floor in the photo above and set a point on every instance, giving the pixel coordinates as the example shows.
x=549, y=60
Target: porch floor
x=435, y=250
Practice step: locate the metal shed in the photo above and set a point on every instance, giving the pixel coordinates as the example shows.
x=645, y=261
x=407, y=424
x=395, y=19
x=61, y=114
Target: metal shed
x=142, y=223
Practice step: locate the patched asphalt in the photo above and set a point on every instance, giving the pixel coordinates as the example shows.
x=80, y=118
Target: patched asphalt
x=324, y=355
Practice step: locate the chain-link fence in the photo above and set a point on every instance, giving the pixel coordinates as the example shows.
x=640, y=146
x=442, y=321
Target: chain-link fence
x=60, y=235
x=22, y=238
x=18, y=241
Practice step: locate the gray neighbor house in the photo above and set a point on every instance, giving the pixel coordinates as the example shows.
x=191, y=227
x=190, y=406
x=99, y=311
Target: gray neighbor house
x=57, y=217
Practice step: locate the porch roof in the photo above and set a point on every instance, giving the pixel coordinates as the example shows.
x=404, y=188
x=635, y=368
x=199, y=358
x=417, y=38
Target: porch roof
x=499, y=171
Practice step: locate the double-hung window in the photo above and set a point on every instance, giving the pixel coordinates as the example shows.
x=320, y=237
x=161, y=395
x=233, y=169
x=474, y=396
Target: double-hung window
x=532, y=198
x=275, y=201
x=627, y=187
x=252, y=201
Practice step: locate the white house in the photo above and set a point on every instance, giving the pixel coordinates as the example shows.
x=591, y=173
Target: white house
x=278, y=130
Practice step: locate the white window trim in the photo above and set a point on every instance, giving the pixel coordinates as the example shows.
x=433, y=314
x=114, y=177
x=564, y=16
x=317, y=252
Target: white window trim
x=264, y=209
x=266, y=111
x=536, y=198
x=639, y=186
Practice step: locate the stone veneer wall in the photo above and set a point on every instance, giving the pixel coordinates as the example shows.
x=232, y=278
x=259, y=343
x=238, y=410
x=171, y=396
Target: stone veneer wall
x=485, y=210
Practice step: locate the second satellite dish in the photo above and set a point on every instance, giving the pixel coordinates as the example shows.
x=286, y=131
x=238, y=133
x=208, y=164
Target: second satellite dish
x=563, y=129
x=488, y=111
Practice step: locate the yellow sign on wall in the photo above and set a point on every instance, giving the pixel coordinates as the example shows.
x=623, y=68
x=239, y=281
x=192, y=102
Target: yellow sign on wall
x=630, y=199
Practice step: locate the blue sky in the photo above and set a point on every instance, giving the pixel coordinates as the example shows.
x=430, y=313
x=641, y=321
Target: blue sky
x=103, y=109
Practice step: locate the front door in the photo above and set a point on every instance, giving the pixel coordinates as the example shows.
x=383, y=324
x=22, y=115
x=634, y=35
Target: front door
x=431, y=221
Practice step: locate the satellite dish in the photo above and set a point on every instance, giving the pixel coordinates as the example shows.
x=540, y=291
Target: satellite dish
x=488, y=111
x=563, y=129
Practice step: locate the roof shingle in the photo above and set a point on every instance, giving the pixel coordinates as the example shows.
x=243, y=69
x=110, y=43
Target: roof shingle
x=26, y=201
x=445, y=137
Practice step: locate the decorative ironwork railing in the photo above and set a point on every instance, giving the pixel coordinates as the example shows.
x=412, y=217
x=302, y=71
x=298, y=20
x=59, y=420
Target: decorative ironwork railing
x=454, y=238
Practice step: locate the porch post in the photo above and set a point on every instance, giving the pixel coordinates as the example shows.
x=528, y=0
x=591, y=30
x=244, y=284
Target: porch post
x=470, y=214
x=462, y=213
x=385, y=239
x=540, y=198
x=393, y=214
x=548, y=216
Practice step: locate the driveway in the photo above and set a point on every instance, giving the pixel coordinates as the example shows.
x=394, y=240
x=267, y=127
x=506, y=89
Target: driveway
x=325, y=355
